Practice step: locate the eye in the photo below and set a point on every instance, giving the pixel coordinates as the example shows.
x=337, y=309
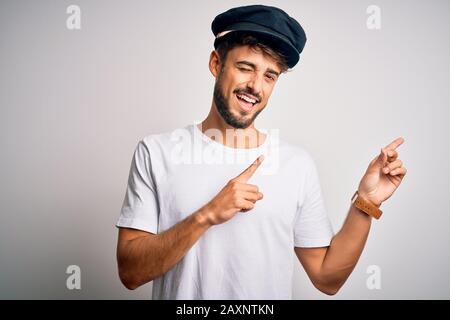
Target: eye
x=270, y=77
x=245, y=69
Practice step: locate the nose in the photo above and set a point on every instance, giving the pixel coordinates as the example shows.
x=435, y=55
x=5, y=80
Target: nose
x=256, y=83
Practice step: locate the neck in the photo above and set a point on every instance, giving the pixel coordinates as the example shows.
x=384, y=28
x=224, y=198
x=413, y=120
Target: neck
x=249, y=137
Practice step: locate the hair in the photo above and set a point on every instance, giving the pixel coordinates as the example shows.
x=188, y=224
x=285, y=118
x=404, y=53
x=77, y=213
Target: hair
x=254, y=43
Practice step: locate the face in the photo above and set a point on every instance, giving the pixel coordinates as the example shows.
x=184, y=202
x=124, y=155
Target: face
x=243, y=85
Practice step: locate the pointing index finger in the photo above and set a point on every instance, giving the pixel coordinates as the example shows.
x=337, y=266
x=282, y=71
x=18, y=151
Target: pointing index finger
x=247, y=173
x=395, y=144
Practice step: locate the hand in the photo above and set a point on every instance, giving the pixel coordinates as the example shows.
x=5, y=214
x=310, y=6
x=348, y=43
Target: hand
x=384, y=174
x=236, y=196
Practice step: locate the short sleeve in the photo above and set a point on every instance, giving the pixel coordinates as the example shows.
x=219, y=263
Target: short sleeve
x=140, y=208
x=312, y=226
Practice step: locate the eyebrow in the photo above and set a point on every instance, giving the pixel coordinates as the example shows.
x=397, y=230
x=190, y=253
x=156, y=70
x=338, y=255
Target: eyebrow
x=252, y=65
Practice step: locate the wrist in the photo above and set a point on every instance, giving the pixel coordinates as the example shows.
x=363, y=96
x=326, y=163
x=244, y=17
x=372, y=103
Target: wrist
x=367, y=198
x=202, y=217
x=362, y=202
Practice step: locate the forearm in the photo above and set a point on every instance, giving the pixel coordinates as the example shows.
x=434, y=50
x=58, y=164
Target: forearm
x=148, y=257
x=144, y=258
x=346, y=248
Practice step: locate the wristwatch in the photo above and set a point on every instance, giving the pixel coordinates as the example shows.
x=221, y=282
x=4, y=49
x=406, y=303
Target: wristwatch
x=366, y=206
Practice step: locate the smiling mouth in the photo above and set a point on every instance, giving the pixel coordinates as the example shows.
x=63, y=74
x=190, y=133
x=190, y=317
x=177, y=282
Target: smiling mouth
x=247, y=103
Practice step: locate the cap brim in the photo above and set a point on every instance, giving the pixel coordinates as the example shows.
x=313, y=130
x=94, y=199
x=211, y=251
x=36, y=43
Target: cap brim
x=274, y=41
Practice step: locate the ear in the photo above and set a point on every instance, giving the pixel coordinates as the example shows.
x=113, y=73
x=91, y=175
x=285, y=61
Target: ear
x=214, y=63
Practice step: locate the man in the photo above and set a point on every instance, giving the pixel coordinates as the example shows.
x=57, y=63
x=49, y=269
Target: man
x=213, y=229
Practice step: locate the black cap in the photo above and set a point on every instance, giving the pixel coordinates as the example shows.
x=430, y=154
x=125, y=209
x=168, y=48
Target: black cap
x=271, y=25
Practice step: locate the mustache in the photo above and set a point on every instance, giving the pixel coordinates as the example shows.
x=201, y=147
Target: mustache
x=249, y=92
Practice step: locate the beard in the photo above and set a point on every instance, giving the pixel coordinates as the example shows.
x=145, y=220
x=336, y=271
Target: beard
x=224, y=109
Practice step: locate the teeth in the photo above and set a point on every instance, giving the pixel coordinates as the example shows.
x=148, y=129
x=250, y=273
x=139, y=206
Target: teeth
x=247, y=98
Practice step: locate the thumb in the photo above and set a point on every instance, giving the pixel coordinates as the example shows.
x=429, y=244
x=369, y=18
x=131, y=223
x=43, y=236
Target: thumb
x=382, y=159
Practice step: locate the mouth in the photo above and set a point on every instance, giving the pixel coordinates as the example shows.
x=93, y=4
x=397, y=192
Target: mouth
x=246, y=102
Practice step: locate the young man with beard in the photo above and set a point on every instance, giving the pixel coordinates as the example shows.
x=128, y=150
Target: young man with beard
x=215, y=229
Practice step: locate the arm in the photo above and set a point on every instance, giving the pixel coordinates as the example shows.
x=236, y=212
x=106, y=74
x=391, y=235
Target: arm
x=329, y=267
x=144, y=256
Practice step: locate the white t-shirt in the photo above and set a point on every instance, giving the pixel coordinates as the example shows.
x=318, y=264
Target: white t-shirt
x=250, y=256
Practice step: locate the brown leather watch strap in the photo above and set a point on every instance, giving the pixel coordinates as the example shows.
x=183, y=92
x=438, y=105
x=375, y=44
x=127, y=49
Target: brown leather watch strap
x=365, y=206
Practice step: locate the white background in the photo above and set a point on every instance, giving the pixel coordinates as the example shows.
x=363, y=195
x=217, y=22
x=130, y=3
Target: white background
x=74, y=104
